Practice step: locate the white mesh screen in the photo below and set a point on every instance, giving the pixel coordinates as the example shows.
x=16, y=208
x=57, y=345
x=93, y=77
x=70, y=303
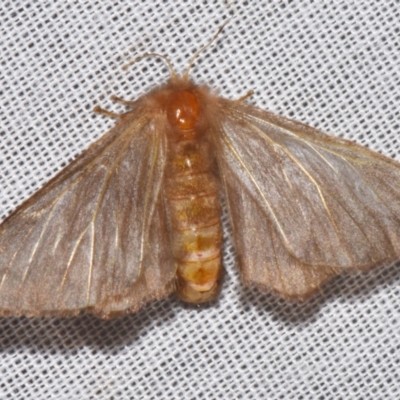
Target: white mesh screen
x=331, y=64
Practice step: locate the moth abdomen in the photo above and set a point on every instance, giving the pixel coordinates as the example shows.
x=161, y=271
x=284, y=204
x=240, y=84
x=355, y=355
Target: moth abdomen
x=193, y=206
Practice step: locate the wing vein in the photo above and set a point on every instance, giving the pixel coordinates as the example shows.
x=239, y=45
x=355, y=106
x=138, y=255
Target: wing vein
x=91, y=165
x=307, y=174
x=155, y=148
x=91, y=223
x=37, y=245
x=71, y=257
x=251, y=176
x=372, y=215
x=7, y=270
x=90, y=276
x=321, y=195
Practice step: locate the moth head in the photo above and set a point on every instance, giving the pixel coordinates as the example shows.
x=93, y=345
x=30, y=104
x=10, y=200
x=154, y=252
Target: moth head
x=183, y=109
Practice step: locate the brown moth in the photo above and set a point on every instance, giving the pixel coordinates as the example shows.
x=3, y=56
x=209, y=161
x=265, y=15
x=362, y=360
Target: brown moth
x=136, y=216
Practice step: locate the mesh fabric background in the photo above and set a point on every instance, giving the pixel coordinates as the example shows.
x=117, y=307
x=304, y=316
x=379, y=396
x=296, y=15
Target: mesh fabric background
x=331, y=64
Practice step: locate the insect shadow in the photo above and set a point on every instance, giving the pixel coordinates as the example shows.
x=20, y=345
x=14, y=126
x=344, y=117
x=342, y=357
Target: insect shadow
x=349, y=289
x=59, y=334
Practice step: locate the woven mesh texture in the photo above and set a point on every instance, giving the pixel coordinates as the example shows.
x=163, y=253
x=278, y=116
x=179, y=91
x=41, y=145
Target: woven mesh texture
x=330, y=64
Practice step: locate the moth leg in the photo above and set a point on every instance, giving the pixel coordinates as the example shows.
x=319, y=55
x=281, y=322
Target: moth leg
x=245, y=97
x=110, y=114
x=122, y=101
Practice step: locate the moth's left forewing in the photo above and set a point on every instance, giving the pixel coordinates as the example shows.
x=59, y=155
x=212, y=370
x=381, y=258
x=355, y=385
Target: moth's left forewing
x=87, y=240
x=305, y=205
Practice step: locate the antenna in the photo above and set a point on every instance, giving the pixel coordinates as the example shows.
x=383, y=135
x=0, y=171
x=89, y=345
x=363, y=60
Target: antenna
x=193, y=59
x=169, y=65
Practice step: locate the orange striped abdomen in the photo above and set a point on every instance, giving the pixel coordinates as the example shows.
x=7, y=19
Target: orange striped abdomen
x=194, y=215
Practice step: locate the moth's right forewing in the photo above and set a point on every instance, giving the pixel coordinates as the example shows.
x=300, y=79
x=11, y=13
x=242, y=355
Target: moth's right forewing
x=84, y=237
x=321, y=204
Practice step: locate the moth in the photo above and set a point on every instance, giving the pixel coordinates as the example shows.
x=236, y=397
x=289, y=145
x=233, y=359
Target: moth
x=137, y=215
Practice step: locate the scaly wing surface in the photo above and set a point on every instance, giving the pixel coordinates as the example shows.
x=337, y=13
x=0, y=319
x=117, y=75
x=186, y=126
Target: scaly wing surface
x=305, y=206
x=95, y=236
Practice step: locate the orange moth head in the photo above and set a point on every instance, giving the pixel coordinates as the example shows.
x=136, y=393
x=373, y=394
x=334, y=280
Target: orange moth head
x=183, y=110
